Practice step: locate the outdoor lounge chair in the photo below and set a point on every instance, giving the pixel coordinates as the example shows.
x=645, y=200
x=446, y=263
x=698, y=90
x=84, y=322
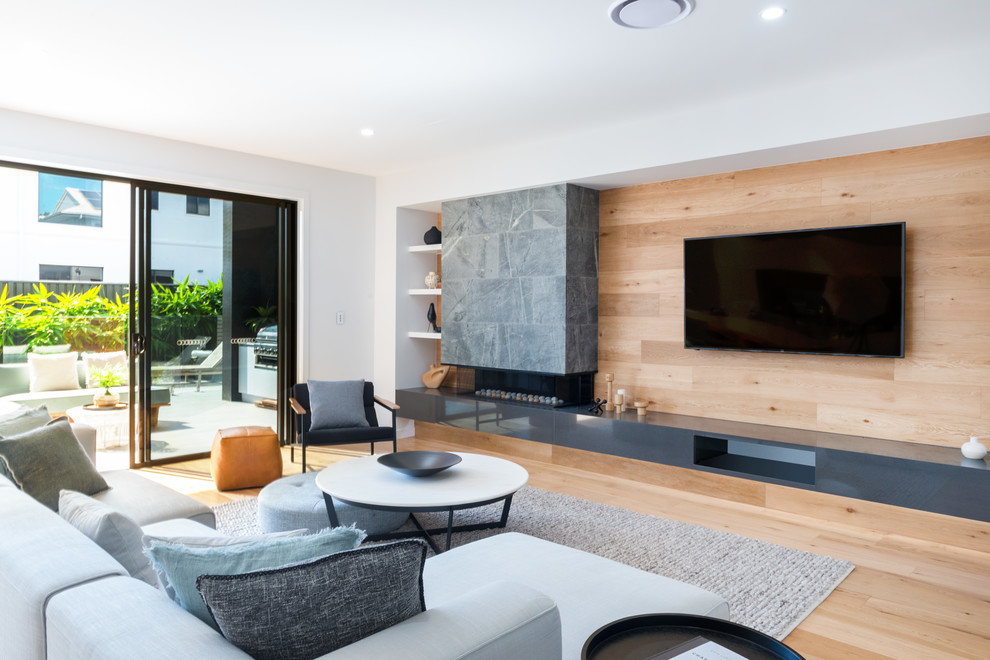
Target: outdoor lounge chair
x=211, y=365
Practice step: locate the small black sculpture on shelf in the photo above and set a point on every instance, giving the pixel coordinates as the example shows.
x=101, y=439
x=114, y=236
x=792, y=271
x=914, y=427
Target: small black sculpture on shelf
x=432, y=237
x=597, y=407
x=431, y=316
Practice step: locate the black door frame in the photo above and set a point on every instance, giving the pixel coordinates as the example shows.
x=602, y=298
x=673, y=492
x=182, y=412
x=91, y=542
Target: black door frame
x=139, y=320
x=140, y=258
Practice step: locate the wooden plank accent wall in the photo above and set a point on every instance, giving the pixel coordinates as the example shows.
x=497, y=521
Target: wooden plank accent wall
x=938, y=394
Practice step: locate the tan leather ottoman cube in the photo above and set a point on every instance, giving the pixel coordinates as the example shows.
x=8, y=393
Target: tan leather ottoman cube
x=245, y=457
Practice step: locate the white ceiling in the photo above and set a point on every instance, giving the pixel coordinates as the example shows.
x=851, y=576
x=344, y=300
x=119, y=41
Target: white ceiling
x=436, y=79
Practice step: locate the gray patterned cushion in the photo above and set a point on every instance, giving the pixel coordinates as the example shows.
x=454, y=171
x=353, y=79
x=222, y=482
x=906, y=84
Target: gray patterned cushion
x=22, y=420
x=45, y=460
x=306, y=610
x=336, y=404
x=181, y=565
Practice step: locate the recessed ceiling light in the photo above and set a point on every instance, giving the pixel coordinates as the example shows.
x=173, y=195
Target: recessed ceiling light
x=772, y=13
x=367, y=132
x=647, y=14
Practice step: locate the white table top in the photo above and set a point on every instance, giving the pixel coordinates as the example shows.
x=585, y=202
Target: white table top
x=476, y=478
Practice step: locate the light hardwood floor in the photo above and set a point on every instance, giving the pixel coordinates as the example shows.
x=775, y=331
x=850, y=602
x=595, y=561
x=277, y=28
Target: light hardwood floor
x=908, y=598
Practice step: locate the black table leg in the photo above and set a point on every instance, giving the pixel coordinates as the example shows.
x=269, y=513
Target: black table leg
x=422, y=532
x=450, y=526
x=505, y=511
x=331, y=511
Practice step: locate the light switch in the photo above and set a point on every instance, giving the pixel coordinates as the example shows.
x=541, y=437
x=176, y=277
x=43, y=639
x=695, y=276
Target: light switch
x=340, y=318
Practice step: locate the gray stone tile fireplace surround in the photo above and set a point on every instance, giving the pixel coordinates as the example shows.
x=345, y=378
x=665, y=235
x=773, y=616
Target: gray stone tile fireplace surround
x=520, y=281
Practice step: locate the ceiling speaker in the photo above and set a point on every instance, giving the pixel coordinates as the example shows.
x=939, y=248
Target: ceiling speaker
x=648, y=14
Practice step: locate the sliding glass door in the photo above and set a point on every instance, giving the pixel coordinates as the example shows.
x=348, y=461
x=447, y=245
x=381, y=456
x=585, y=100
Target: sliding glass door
x=214, y=323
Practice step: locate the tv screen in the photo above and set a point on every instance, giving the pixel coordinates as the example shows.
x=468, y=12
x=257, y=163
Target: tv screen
x=835, y=291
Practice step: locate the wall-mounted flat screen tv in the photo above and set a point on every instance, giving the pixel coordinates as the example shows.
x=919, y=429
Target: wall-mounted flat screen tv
x=834, y=291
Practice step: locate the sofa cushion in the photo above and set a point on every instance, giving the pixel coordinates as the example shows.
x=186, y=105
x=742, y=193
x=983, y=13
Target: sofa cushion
x=209, y=538
x=120, y=618
x=146, y=501
x=116, y=533
x=45, y=460
x=40, y=555
x=182, y=565
x=324, y=604
x=568, y=576
x=53, y=372
x=23, y=419
x=191, y=534
x=495, y=621
x=337, y=404
x=15, y=354
x=93, y=361
x=51, y=348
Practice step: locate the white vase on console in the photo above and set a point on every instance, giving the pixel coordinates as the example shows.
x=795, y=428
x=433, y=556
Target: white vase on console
x=974, y=448
x=431, y=280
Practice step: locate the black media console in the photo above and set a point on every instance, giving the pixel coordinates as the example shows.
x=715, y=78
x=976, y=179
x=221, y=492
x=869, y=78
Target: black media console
x=922, y=477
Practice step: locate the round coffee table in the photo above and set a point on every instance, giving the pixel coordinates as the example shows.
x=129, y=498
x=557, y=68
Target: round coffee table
x=476, y=481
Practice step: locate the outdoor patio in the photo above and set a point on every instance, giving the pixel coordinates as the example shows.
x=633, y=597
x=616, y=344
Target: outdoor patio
x=188, y=425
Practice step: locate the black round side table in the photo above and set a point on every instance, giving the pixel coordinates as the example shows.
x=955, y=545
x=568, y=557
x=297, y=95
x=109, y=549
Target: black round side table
x=662, y=636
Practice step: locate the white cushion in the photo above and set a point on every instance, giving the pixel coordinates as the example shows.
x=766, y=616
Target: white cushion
x=102, y=360
x=568, y=576
x=147, y=501
x=53, y=372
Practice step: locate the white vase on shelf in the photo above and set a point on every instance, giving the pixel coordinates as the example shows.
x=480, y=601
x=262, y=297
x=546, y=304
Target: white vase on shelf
x=974, y=448
x=431, y=280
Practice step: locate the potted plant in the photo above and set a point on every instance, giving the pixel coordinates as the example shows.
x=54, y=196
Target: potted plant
x=107, y=377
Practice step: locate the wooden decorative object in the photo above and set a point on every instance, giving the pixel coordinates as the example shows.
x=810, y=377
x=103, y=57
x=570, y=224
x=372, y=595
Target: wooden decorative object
x=640, y=407
x=609, y=406
x=433, y=378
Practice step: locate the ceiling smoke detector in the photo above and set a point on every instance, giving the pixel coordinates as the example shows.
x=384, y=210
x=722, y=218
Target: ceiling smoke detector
x=648, y=14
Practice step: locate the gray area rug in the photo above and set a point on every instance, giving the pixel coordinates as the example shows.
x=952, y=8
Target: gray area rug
x=769, y=587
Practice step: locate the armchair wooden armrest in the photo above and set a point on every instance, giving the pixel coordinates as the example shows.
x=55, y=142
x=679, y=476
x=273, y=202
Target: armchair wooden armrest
x=386, y=403
x=296, y=406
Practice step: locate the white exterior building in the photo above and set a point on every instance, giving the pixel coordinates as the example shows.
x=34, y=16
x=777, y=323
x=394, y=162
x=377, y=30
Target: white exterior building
x=61, y=245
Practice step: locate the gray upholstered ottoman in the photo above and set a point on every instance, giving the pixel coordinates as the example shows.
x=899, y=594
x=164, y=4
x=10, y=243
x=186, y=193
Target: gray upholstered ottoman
x=295, y=503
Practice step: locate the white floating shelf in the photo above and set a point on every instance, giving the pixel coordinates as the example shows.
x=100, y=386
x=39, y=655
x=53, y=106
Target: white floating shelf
x=425, y=335
x=426, y=248
x=424, y=292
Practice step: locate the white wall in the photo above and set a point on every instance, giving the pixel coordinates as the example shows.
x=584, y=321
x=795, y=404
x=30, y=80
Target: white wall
x=411, y=270
x=934, y=98
x=337, y=230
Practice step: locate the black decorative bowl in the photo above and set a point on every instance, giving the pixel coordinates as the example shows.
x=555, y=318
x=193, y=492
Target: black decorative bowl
x=419, y=463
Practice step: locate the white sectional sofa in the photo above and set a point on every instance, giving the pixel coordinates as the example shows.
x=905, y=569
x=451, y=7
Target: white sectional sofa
x=510, y=596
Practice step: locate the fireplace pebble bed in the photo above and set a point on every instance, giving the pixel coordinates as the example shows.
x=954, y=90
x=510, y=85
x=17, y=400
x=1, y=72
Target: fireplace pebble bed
x=520, y=396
